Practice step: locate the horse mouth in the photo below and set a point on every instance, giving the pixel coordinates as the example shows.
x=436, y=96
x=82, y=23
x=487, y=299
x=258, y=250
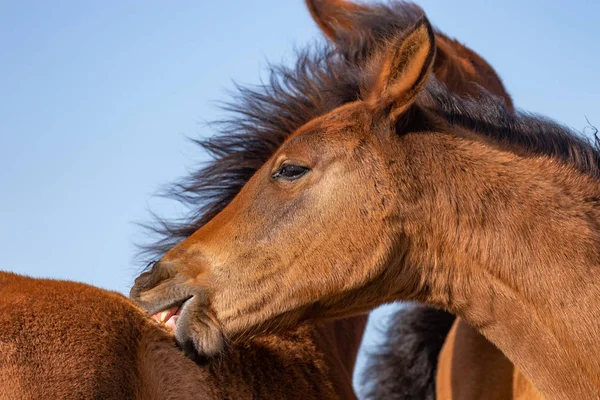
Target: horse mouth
x=170, y=316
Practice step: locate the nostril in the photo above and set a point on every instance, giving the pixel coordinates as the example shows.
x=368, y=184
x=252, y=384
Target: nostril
x=141, y=283
x=159, y=272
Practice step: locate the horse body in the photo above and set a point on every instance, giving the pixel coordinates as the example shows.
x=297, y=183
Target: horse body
x=425, y=196
x=67, y=340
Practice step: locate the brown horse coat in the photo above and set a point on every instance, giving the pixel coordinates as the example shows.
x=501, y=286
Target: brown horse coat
x=470, y=367
x=67, y=340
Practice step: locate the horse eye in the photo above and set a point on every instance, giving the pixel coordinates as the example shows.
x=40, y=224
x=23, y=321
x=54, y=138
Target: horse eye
x=290, y=172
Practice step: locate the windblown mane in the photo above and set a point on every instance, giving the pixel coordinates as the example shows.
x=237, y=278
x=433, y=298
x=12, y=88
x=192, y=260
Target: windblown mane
x=404, y=367
x=522, y=132
x=323, y=78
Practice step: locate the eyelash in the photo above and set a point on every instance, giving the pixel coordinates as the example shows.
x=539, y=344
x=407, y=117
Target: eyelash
x=290, y=172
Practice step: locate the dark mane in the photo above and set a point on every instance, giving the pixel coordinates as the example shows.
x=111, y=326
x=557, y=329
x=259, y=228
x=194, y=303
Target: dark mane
x=522, y=132
x=323, y=78
x=404, y=367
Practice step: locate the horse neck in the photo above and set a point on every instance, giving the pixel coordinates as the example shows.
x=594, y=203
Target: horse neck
x=512, y=245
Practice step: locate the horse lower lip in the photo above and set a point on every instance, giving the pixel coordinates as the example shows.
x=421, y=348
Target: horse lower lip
x=171, y=323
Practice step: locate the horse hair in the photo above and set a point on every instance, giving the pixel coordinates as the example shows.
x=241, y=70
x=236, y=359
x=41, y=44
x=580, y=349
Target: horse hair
x=324, y=78
x=262, y=117
x=521, y=132
x=405, y=366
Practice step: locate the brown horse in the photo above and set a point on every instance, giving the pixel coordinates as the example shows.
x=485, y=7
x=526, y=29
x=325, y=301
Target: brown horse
x=456, y=65
x=406, y=191
x=66, y=340
x=459, y=67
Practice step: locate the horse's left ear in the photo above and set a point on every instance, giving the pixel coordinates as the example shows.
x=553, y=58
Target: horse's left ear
x=404, y=70
x=333, y=16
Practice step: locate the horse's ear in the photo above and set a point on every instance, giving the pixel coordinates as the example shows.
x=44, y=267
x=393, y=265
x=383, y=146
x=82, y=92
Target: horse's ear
x=333, y=16
x=403, y=70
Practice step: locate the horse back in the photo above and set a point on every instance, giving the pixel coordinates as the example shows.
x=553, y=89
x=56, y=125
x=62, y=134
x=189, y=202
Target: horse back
x=67, y=340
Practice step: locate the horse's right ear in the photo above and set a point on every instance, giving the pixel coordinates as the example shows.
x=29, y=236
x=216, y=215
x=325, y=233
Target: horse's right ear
x=333, y=16
x=403, y=70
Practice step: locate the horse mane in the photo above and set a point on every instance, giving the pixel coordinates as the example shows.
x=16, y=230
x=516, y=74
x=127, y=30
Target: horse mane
x=521, y=132
x=404, y=367
x=323, y=78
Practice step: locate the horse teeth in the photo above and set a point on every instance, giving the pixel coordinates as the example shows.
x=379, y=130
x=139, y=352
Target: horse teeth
x=164, y=315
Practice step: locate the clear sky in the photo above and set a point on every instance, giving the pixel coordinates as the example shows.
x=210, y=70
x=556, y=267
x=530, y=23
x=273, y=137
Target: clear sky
x=97, y=99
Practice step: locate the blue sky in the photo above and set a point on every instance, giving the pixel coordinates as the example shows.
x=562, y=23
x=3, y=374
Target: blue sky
x=97, y=99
